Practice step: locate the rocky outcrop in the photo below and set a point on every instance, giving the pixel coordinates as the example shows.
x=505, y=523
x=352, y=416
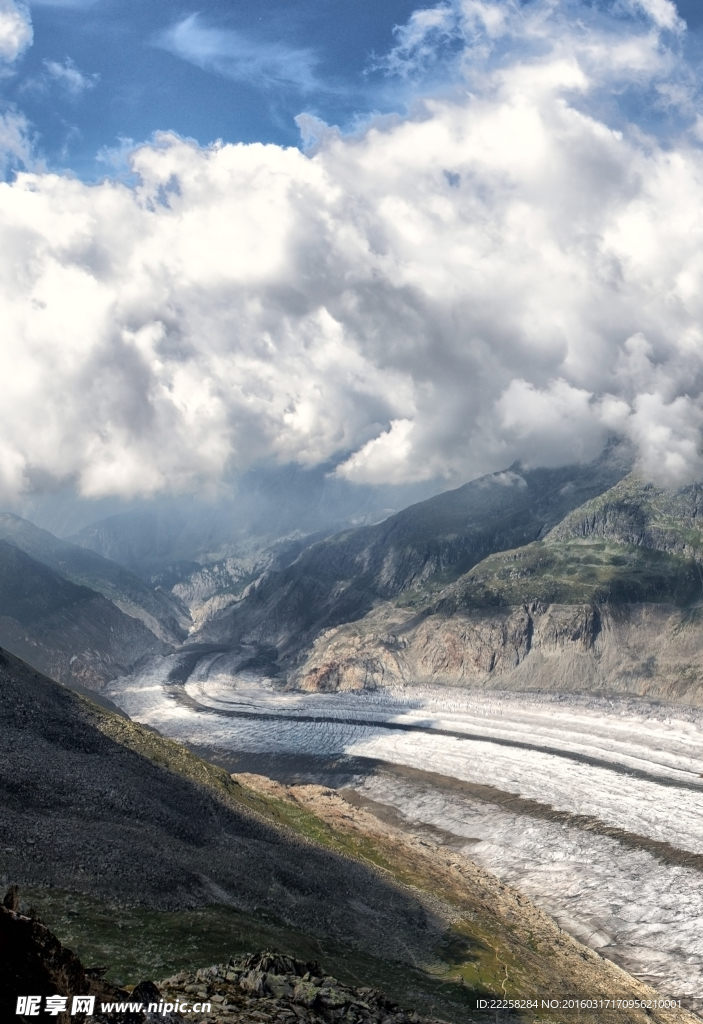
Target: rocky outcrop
x=649, y=650
x=263, y=986
x=256, y=988
x=33, y=961
x=637, y=513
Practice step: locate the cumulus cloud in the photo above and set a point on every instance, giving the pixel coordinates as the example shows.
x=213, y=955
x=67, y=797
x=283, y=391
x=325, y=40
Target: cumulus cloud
x=502, y=274
x=15, y=30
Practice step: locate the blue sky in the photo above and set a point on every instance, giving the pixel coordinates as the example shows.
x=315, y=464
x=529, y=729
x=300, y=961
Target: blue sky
x=237, y=71
x=102, y=71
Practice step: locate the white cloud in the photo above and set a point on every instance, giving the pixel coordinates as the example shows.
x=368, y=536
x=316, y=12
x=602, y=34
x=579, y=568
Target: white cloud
x=382, y=460
x=238, y=56
x=15, y=30
x=662, y=12
x=552, y=425
x=15, y=147
x=422, y=41
x=500, y=275
x=69, y=77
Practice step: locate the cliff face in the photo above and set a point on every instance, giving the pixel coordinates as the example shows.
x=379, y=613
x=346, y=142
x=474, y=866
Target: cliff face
x=651, y=650
x=639, y=514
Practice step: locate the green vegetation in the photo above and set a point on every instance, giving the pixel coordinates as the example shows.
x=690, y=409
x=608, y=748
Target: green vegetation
x=137, y=942
x=579, y=572
x=635, y=512
x=634, y=542
x=567, y=572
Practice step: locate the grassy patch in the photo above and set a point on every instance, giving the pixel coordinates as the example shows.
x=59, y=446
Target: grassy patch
x=137, y=943
x=579, y=572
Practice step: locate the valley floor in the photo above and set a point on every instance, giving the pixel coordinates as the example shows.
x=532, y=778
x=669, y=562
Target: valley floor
x=591, y=806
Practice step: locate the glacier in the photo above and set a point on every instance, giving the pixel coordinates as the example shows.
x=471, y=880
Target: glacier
x=590, y=805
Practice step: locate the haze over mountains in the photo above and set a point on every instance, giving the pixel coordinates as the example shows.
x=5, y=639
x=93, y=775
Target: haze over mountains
x=435, y=541
x=586, y=562
x=269, y=593
x=159, y=611
x=497, y=552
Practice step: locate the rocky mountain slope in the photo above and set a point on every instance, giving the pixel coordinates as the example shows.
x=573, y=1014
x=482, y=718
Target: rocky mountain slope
x=208, y=589
x=81, y=810
x=610, y=599
x=648, y=650
x=160, y=611
x=69, y=632
x=97, y=806
x=340, y=579
x=245, y=990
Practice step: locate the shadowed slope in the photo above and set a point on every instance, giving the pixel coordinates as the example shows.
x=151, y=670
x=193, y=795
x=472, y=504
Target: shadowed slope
x=82, y=811
x=67, y=631
x=159, y=611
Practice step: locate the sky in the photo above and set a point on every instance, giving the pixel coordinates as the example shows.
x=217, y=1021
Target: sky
x=408, y=244
x=102, y=71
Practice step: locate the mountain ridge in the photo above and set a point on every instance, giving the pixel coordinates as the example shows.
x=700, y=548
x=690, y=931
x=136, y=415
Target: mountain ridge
x=610, y=601
x=160, y=612
x=340, y=579
x=69, y=632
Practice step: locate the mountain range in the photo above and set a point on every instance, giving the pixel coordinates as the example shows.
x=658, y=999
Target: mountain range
x=341, y=578
x=585, y=574
x=608, y=600
x=584, y=578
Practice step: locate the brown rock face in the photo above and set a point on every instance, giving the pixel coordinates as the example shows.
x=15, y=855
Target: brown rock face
x=650, y=650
